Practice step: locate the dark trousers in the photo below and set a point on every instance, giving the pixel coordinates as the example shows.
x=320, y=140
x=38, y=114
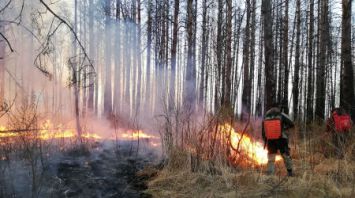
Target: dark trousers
x=278, y=144
x=272, y=147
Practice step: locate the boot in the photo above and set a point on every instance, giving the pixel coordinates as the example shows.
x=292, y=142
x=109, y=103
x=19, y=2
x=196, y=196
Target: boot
x=289, y=173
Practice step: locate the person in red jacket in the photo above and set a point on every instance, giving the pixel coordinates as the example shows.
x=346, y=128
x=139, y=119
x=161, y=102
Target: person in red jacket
x=339, y=124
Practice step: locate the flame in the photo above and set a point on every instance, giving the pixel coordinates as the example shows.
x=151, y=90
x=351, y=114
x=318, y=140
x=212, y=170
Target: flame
x=137, y=133
x=47, y=131
x=253, y=149
x=134, y=134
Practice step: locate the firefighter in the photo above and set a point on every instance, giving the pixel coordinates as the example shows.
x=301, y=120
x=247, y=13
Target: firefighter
x=275, y=135
x=339, y=125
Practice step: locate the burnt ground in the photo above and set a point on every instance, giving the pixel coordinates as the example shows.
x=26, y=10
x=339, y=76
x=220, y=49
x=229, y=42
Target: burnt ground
x=102, y=172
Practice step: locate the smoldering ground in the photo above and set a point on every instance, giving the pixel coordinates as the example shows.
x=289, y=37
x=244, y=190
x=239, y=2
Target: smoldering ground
x=101, y=171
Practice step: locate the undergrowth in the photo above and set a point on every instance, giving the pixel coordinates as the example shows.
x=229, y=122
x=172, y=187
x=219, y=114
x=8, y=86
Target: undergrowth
x=319, y=172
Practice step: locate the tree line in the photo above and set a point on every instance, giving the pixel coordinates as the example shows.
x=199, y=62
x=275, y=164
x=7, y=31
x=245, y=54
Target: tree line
x=239, y=56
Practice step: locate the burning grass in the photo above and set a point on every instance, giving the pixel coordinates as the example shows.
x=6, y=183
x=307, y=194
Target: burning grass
x=238, y=170
x=176, y=180
x=31, y=145
x=241, y=143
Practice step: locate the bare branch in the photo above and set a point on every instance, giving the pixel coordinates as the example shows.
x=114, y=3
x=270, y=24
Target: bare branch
x=71, y=29
x=7, y=41
x=7, y=5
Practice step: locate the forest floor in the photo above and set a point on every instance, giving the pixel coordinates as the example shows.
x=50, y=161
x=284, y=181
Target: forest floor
x=102, y=172
x=98, y=170
x=316, y=175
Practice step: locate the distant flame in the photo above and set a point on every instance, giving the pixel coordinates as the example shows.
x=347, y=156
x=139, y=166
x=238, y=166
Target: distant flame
x=47, y=131
x=138, y=133
x=253, y=149
x=134, y=134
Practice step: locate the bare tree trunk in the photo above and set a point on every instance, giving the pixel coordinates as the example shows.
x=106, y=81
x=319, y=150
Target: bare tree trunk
x=228, y=65
x=107, y=90
x=85, y=76
x=92, y=53
x=204, y=46
x=76, y=79
x=190, y=84
x=246, y=63
x=219, y=52
x=259, y=99
x=347, y=97
x=320, y=95
x=285, y=59
x=252, y=55
x=237, y=29
x=270, y=84
x=139, y=57
x=2, y=64
x=310, y=64
x=174, y=46
x=149, y=48
x=295, y=89
x=117, y=77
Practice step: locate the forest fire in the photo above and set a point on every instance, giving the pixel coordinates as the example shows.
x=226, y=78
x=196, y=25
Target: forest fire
x=135, y=134
x=47, y=131
x=246, y=145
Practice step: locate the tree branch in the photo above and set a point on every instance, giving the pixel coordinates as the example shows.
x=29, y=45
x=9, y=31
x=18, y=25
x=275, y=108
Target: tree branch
x=7, y=5
x=71, y=29
x=7, y=41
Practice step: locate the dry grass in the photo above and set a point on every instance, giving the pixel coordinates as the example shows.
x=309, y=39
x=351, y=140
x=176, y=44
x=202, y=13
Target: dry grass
x=316, y=175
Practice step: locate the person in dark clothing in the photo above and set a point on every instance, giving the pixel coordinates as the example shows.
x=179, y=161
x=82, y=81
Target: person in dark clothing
x=339, y=124
x=275, y=135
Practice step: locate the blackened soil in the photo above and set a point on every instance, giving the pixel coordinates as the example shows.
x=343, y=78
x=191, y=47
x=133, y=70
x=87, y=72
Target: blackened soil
x=102, y=173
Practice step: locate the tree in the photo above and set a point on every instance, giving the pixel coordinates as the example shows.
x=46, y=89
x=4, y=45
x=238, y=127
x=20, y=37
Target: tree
x=108, y=89
x=74, y=64
x=204, y=48
x=285, y=59
x=174, y=46
x=2, y=63
x=295, y=89
x=347, y=97
x=246, y=97
x=92, y=52
x=118, y=71
x=320, y=93
x=260, y=86
x=190, y=84
x=149, y=46
x=219, y=54
x=138, y=55
x=270, y=84
x=252, y=52
x=310, y=91
x=228, y=62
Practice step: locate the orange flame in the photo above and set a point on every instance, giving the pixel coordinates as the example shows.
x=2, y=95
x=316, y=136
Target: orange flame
x=48, y=131
x=133, y=135
x=253, y=149
x=138, y=133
